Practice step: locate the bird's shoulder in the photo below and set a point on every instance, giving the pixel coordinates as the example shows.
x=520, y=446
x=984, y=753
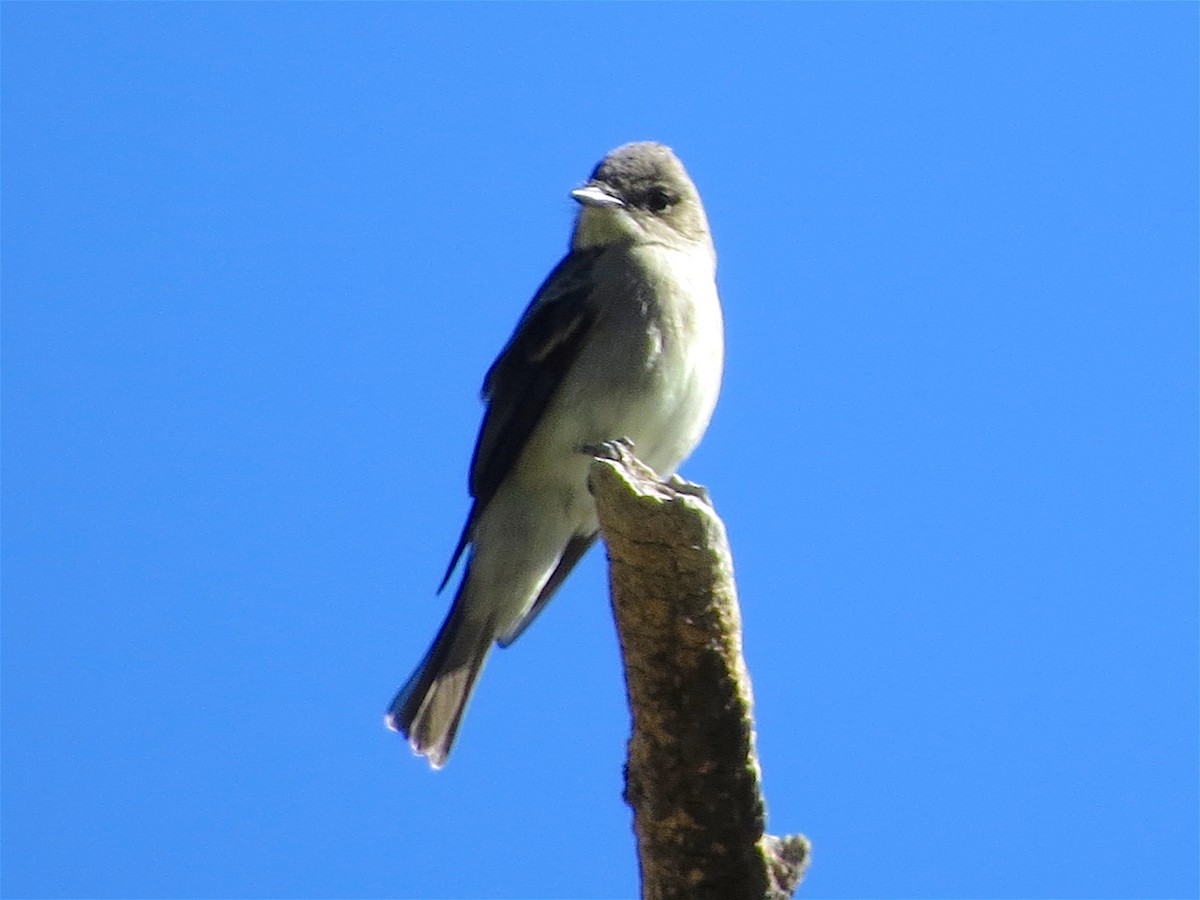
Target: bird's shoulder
x=558, y=314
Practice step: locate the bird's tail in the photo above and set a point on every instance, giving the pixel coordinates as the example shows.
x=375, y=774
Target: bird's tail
x=430, y=706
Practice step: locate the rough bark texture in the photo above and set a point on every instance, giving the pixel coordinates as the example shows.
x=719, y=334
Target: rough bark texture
x=692, y=778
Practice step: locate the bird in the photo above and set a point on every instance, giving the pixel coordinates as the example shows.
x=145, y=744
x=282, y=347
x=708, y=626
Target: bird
x=623, y=341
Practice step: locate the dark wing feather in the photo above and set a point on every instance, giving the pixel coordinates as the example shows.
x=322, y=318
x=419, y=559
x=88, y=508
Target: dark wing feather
x=522, y=381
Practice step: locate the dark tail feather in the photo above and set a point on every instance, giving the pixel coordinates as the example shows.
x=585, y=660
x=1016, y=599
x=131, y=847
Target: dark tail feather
x=430, y=706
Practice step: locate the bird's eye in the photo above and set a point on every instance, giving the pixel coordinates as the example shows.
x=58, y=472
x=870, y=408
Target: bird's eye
x=658, y=199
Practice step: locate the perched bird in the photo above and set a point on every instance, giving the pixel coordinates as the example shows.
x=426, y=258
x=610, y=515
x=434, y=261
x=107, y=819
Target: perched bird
x=624, y=339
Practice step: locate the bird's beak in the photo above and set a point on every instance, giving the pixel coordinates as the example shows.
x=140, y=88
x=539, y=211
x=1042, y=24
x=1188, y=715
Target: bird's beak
x=594, y=195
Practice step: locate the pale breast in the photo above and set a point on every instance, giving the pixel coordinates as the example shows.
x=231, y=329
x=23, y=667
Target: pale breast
x=650, y=371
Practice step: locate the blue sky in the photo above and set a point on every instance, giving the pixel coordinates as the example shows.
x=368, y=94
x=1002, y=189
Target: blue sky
x=257, y=259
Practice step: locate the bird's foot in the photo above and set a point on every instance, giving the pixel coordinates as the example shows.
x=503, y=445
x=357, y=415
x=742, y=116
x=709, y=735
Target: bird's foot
x=618, y=450
x=683, y=486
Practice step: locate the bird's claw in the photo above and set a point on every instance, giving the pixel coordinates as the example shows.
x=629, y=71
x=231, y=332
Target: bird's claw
x=617, y=450
x=690, y=488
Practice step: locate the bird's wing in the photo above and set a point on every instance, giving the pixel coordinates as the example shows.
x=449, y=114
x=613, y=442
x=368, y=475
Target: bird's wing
x=522, y=381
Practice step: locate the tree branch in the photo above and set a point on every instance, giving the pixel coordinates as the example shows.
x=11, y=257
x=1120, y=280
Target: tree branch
x=692, y=777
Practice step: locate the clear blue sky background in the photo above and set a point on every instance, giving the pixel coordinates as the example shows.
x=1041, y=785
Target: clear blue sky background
x=257, y=259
